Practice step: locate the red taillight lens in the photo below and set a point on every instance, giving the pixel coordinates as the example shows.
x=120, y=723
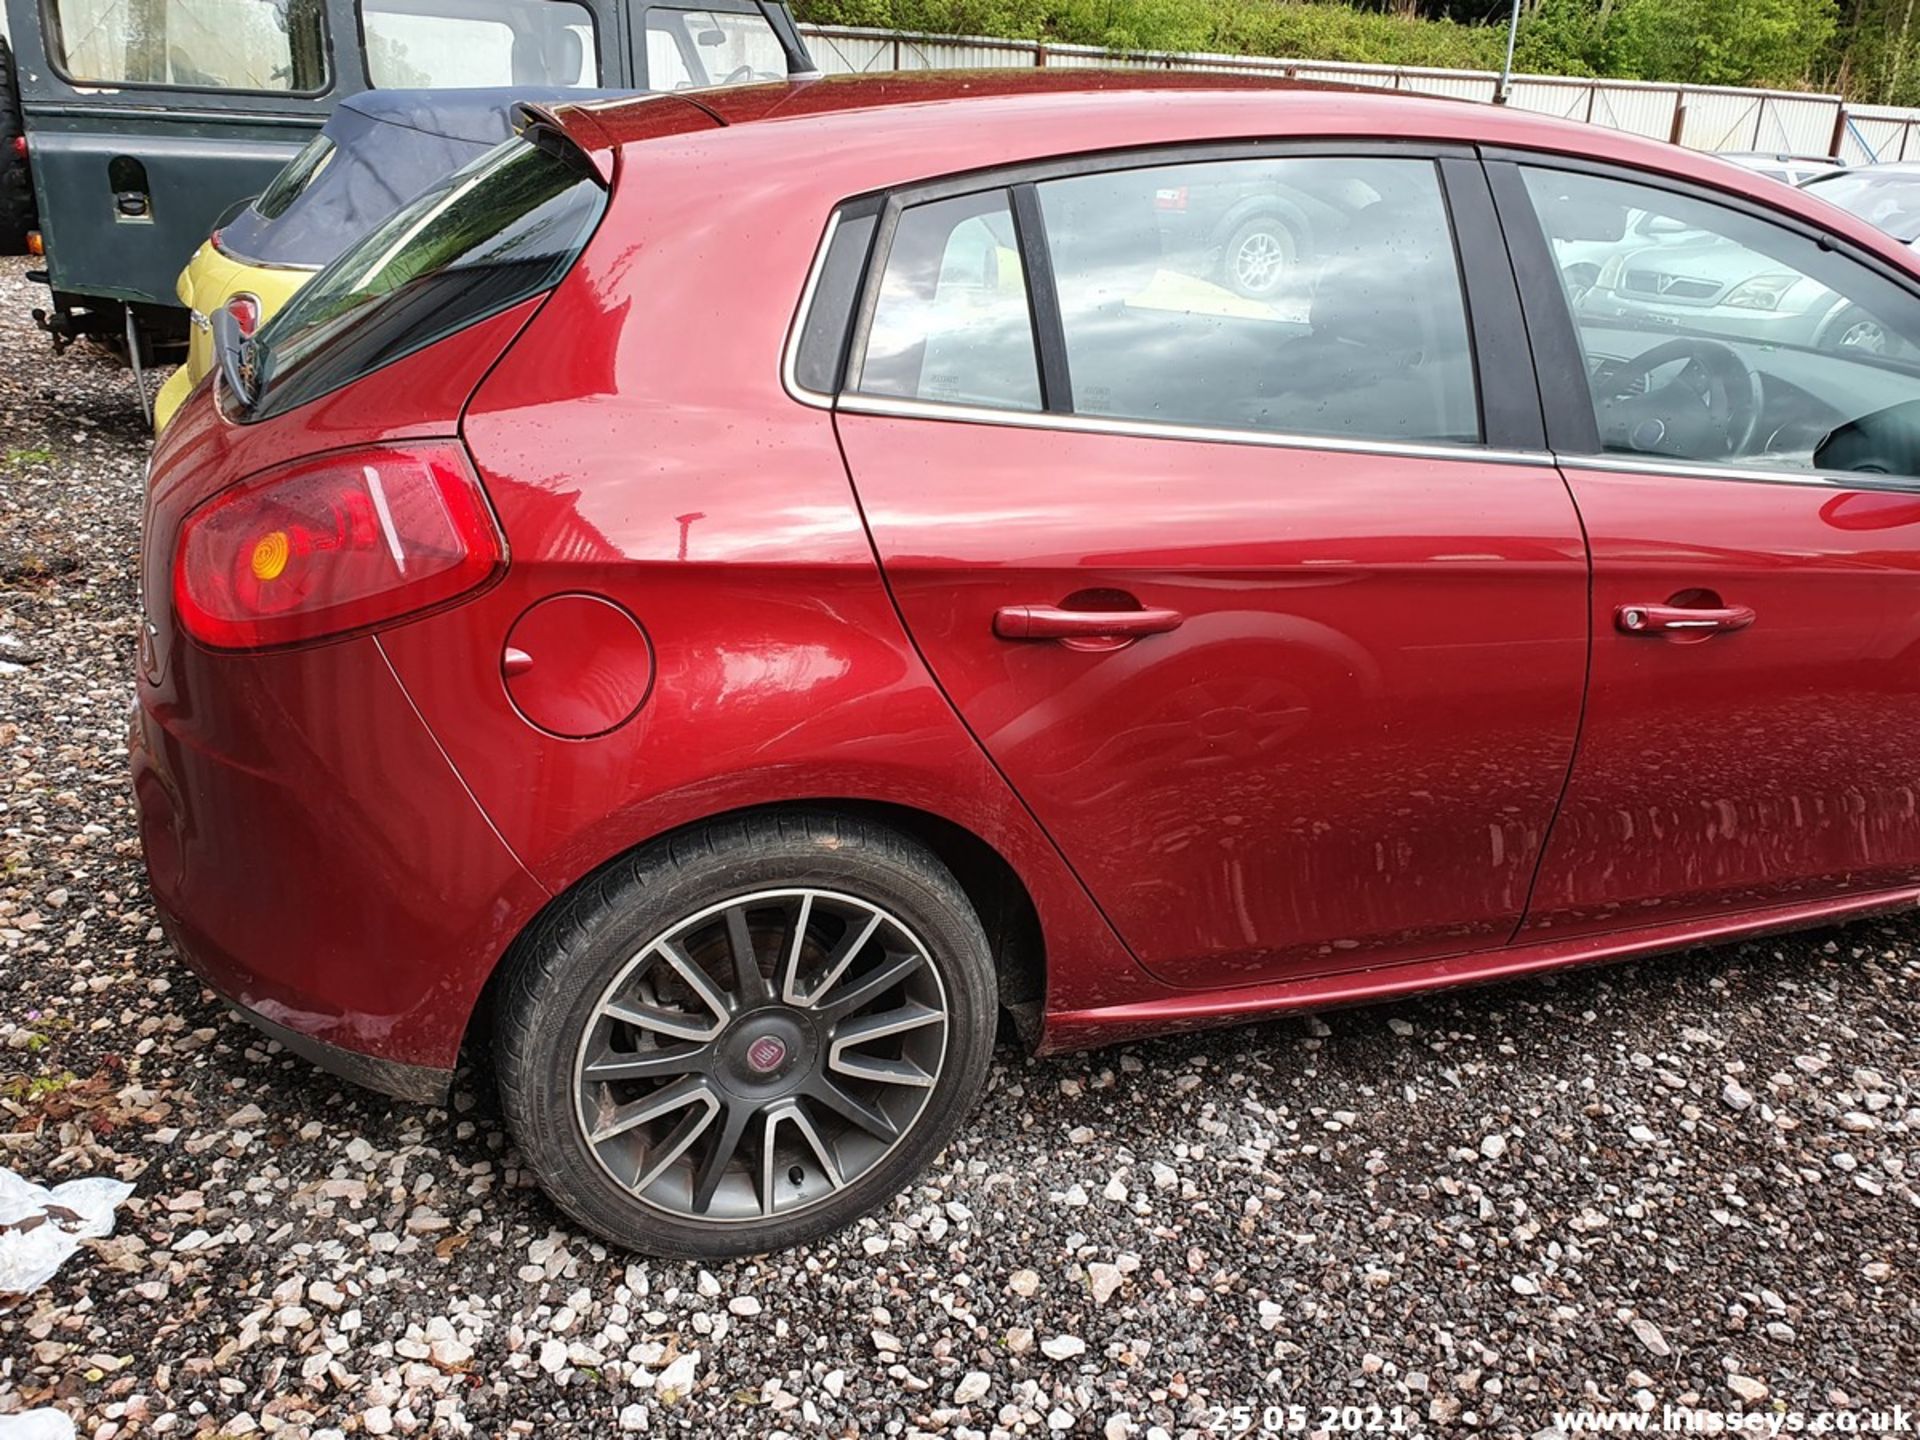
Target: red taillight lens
x=245, y=310
x=20, y=146
x=335, y=544
x=1173, y=197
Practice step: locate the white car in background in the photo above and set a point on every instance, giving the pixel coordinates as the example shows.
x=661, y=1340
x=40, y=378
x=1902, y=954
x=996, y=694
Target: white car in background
x=1887, y=196
x=1787, y=169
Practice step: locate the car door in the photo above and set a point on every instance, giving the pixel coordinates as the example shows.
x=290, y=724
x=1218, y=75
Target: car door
x=1262, y=595
x=1738, y=416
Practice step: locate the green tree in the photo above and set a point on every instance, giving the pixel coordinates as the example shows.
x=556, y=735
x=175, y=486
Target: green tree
x=1719, y=42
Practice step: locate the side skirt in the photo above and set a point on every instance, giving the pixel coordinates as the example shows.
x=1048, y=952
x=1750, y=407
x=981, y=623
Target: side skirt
x=1180, y=1011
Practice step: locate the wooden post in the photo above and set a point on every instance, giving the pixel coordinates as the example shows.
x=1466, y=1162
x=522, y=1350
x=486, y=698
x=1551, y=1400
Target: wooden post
x=1679, y=126
x=1834, y=146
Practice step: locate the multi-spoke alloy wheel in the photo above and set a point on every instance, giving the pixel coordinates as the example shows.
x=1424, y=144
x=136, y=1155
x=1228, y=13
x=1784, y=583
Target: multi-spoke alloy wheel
x=748, y=1037
x=1259, y=257
x=761, y=1054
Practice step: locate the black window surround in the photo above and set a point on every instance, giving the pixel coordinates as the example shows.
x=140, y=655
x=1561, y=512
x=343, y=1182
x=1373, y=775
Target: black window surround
x=1572, y=431
x=1510, y=414
x=1529, y=373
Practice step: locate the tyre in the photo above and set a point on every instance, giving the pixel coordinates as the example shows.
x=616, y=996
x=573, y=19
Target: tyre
x=17, y=212
x=747, y=1036
x=1258, y=257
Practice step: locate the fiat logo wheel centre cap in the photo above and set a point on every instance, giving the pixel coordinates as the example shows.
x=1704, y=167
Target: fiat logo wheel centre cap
x=765, y=1054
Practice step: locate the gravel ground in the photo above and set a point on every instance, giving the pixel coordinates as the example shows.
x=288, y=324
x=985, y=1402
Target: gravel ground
x=1689, y=1181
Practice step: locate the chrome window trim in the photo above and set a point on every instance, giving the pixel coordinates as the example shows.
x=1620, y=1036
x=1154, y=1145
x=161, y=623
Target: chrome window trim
x=1661, y=467
x=857, y=404
x=790, y=355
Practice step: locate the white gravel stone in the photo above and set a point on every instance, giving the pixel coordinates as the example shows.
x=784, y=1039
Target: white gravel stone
x=973, y=1386
x=674, y=1383
x=1103, y=1279
x=1648, y=1334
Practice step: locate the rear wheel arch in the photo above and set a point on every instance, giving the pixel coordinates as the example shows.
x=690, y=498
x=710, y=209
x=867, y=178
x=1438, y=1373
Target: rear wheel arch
x=1000, y=898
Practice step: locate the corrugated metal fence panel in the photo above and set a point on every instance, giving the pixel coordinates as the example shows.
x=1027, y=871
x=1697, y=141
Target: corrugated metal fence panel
x=1880, y=132
x=1634, y=109
x=1065, y=58
x=1714, y=119
x=1460, y=87
x=1541, y=97
x=1799, y=126
x=1381, y=78
x=845, y=54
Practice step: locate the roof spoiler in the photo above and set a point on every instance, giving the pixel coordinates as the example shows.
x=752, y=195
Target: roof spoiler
x=540, y=127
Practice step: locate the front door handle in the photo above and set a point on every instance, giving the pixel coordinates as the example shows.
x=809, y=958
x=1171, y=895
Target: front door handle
x=1681, y=619
x=1050, y=622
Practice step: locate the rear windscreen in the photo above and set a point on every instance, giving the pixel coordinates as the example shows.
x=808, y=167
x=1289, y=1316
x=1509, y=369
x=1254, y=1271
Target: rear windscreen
x=299, y=173
x=504, y=228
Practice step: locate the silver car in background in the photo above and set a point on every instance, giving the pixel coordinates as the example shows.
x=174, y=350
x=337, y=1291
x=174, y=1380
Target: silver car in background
x=1668, y=274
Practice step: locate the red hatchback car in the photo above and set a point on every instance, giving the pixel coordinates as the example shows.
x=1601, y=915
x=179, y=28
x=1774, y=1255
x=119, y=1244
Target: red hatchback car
x=758, y=584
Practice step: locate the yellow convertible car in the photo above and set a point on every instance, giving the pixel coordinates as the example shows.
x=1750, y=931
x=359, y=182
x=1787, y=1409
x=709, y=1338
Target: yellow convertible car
x=379, y=149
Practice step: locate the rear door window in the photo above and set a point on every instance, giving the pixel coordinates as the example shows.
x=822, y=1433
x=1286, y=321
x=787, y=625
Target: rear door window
x=191, y=44
x=1309, y=295
x=498, y=42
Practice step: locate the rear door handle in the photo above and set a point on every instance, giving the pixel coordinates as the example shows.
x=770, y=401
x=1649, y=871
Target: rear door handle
x=1670, y=619
x=1049, y=622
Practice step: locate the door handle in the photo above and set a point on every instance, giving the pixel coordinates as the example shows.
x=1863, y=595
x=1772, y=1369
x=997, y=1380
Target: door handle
x=1681, y=619
x=1050, y=622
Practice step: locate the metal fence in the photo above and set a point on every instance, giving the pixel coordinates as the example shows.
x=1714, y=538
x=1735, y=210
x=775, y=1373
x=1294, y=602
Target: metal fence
x=1705, y=117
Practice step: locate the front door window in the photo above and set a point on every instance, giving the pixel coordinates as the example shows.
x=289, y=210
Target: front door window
x=1712, y=336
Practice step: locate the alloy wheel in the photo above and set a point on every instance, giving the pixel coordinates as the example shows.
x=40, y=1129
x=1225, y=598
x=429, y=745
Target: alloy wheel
x=761, y=1055
x=1864, y=334
x=1259, y=260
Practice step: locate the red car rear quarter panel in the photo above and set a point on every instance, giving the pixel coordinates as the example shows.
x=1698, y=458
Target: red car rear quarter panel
x=637, y=445
x=383, y=946
x=247, y=767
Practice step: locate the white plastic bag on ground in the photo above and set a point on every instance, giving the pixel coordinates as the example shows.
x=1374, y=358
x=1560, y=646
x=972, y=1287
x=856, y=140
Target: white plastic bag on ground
x=36, y=1425
x=40, y=1228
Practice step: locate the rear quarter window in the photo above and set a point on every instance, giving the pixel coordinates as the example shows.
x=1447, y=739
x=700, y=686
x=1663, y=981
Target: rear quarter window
x=505, y=228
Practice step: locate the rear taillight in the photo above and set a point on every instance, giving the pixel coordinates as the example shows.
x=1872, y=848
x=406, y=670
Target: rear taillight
x=245, y=310
x=334, y=544
x=20, y=147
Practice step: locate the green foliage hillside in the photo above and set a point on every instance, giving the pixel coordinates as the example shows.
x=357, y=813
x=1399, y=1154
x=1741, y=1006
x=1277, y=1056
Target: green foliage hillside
x=1868, y=50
